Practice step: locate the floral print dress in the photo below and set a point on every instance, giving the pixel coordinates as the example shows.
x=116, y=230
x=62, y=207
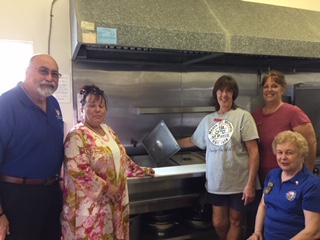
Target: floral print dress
x=96, y=203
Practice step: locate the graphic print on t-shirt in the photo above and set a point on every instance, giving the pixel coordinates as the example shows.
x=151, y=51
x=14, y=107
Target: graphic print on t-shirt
x=221, y=132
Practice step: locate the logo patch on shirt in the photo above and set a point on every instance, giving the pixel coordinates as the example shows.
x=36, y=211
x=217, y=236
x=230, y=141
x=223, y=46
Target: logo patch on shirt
x=291, y=195
x=221, y=132
x=58, y=114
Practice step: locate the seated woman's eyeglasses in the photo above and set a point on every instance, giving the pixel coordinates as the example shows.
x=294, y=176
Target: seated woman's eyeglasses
x=44, y=71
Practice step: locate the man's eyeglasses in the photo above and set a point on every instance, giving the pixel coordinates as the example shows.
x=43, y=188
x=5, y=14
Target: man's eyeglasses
x=44, y=71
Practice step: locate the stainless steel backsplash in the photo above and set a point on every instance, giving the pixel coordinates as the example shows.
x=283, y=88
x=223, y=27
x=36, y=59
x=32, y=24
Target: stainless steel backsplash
x=132, y=91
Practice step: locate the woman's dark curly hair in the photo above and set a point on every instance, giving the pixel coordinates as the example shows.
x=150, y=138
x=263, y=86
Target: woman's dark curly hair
x=223, y=83
x=94, y=90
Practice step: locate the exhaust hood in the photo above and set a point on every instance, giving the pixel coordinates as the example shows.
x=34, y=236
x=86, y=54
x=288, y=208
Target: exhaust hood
x=195, y=32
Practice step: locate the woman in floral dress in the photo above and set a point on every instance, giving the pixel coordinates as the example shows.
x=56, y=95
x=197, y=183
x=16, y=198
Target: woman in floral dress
x=96, y=203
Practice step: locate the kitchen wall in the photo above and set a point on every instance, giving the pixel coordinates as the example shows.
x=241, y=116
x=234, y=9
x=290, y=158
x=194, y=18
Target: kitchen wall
x=139, y=99
x=29, y=21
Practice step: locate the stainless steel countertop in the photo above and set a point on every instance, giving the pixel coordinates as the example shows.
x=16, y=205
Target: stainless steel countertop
x=172, y=172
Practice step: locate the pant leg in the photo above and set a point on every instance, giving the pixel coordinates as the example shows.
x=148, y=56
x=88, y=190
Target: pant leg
x=52, y=229
x=28, y=209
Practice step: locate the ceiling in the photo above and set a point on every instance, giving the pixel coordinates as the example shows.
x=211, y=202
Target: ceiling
x=312, y=5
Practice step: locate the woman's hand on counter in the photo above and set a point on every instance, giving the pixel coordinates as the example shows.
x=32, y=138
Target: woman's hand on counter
x=149, y=171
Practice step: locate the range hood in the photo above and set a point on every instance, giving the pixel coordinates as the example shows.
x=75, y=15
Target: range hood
x=195, y=32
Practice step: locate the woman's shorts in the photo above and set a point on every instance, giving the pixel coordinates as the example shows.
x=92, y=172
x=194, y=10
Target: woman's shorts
x=234, y=201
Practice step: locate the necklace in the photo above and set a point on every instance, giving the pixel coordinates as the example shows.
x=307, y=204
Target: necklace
x=99, y=133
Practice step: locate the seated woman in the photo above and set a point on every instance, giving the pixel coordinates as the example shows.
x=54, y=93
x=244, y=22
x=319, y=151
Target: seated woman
x=289, y=208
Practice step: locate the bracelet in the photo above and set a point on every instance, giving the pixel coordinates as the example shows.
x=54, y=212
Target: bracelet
x=147, y=171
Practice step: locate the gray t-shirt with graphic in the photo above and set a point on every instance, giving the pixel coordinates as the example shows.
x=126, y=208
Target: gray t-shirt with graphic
x=227, y=158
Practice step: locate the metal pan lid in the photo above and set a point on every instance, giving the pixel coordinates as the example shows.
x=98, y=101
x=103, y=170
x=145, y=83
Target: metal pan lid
x=160, y=143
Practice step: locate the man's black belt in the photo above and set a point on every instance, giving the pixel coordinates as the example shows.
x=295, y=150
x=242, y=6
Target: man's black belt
x=28, y=181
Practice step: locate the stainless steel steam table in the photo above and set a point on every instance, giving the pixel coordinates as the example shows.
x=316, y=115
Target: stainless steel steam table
x=171, y=187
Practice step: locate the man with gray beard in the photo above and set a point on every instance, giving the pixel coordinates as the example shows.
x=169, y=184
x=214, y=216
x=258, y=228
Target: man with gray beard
x=31, y=154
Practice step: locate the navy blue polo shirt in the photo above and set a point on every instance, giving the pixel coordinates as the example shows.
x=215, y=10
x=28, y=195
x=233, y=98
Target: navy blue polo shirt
x=286, y=202
x=31, y=140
